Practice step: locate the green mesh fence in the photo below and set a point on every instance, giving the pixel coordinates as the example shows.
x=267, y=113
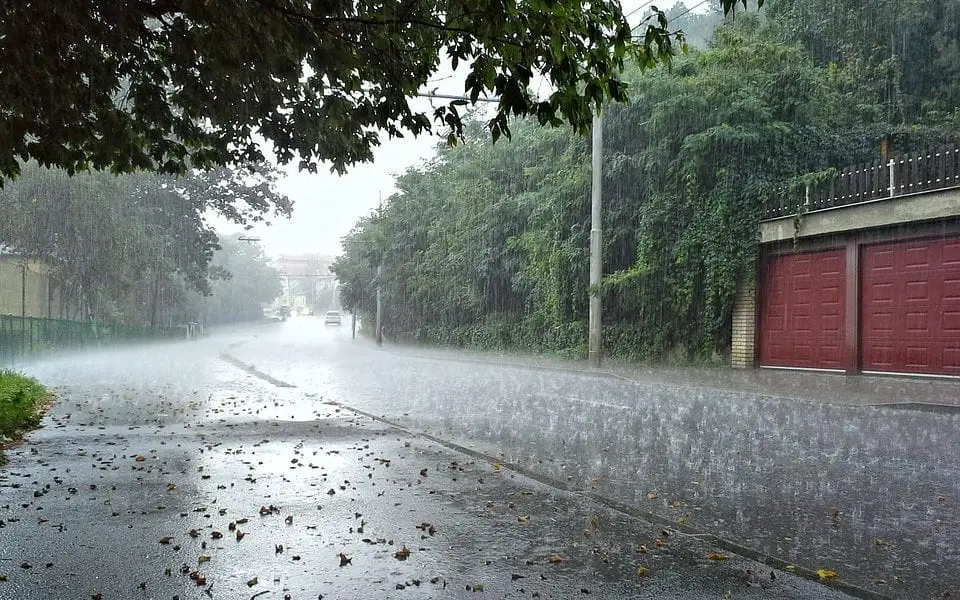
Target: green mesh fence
x=22, y=337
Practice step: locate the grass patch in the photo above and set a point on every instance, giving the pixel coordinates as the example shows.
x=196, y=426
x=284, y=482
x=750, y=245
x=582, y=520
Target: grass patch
x=22, y=401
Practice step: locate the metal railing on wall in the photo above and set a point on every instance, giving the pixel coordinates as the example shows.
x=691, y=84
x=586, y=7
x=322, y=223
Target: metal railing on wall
x=25, y=337
x=901, y=175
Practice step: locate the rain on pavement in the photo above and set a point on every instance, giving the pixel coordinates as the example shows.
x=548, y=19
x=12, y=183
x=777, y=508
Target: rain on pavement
x=510, y=482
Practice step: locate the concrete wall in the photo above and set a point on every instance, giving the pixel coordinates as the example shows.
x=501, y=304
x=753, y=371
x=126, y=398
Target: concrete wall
x=26, y=291
x=743, y=344
x=885, y=212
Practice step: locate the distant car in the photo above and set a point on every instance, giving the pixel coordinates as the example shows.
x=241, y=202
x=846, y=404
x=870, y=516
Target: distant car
x=332, y=318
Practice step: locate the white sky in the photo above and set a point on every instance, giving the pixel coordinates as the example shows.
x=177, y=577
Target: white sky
x=326, y=205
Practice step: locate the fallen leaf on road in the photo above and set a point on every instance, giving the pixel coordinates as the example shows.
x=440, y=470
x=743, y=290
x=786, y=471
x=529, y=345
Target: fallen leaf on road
x=826, y=573
x=523, y=519
x=402, y=554
x=555, y=559
x=171, y=487
x=140, y=458
x=252, y=582
x=642, y=571
x=240, y=535
x=717, y=556
x=198, y=578
x=652, y=496
x=345, y=560
x=497, y=468
x=202, y=559
x=427, y=527
x=166, y=539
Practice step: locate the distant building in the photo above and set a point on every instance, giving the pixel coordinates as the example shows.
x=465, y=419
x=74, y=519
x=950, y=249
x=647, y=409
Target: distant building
x=308, y=283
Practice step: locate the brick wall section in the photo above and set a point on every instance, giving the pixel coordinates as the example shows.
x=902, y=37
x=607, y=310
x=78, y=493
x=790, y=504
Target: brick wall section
x=744, y=328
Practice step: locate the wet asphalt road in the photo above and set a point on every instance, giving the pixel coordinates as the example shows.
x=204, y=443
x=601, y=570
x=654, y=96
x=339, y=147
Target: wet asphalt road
x=172, y=444
x=870, y=492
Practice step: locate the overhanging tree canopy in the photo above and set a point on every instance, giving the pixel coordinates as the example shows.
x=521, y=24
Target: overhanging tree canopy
x=167, y=84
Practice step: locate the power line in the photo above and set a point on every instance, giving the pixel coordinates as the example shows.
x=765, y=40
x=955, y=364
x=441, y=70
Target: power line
x=692, y=8
x=637, y=9
x=688, y=11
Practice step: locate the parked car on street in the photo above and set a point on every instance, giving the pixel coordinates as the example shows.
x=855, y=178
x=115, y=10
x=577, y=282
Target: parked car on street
x=332, y=318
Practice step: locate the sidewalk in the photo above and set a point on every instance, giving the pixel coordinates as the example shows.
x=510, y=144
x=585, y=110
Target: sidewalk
x=926, y=393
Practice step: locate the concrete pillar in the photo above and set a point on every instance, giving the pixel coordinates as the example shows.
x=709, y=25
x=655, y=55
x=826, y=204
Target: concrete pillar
x=743, y=344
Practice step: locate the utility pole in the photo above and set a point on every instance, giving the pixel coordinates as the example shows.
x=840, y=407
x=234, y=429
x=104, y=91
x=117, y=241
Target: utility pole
x=379, y=307
x=595, y=336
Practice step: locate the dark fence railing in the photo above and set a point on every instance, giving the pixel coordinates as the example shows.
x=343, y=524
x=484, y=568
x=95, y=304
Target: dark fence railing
x=901, y=175
x=21, y=337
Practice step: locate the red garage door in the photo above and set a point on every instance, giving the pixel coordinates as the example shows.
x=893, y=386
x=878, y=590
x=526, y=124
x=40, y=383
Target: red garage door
x=801, y=314
x=910, y=307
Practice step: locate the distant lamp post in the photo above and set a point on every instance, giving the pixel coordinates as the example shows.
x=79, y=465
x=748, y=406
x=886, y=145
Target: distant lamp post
x=378, y=332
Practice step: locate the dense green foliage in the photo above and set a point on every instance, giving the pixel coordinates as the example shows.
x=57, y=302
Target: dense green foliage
x=488, y=245
x=167, y=85
x=138, y=249
x=247, y=281
x=21, y=400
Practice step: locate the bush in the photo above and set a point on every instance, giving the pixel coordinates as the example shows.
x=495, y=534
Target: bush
x=21, y=405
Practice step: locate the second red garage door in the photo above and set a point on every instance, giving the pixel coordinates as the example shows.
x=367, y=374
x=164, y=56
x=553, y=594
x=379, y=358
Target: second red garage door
x=910, y=307
x=801, y=316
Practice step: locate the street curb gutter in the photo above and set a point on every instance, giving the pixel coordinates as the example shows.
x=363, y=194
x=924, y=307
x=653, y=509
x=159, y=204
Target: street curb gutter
x=728, y=545
x=252, y=370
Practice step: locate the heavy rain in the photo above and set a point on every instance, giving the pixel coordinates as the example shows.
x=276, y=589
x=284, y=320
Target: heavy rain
x=480, y=299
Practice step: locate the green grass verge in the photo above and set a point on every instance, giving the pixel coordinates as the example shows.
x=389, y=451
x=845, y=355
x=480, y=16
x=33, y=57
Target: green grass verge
x=22, y=400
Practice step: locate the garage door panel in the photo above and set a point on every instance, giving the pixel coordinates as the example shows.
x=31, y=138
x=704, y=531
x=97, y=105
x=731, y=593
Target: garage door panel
x=951, y=254
x=950, y=321
x=910, y=307
x=801, y=311
x=917, y=322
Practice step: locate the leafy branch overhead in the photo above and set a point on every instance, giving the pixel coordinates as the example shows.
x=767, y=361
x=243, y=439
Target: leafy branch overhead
x=168, y=84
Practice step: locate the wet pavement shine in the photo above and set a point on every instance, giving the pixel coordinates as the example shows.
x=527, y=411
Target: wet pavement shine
x=310, y=465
